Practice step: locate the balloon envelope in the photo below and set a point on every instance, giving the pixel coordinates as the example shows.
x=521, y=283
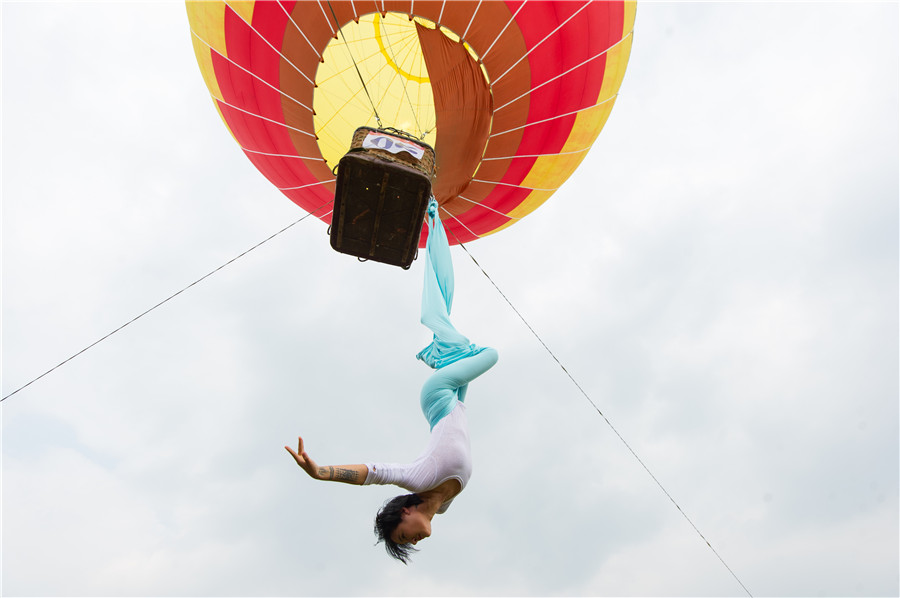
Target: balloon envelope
x=511, y=95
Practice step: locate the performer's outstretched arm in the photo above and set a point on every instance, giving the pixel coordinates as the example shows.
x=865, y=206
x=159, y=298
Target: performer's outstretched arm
x=349, y=474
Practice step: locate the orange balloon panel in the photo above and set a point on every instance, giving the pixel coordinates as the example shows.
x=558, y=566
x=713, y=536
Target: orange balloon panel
x=511, y=95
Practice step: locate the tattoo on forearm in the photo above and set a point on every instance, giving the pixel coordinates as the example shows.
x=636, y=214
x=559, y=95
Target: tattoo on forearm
x=340, y=474
x=346, y=475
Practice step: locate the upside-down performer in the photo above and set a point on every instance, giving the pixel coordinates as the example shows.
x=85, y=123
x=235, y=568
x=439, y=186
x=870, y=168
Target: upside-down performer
x=442, y=471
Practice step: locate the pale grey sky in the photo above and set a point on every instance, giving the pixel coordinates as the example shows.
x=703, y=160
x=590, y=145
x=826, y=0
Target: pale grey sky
x=720, y=276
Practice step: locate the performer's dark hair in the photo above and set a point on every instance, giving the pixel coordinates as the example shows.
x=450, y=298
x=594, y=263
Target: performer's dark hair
x=386, y=521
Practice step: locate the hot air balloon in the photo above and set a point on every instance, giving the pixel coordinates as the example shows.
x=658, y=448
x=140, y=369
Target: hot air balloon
x=509, y=94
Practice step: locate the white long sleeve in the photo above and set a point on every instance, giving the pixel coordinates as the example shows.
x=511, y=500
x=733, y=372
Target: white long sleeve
x=447, y=456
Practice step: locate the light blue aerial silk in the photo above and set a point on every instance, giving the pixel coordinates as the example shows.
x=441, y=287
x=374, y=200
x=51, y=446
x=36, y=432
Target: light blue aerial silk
x=456, y=360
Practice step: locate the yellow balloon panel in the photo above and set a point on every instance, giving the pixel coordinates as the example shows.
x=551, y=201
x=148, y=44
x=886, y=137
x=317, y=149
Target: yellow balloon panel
x=384, y=53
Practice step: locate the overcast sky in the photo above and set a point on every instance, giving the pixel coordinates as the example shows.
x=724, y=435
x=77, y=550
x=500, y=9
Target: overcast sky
x=720, y=276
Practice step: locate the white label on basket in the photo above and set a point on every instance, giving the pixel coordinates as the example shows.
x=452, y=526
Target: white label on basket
x=393, y=144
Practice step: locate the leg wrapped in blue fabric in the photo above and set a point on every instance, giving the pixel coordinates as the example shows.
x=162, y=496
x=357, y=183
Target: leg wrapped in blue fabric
x=449, y=384
x=457, y=360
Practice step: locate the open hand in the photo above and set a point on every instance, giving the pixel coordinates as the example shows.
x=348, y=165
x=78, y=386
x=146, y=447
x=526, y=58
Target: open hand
x=303, y=460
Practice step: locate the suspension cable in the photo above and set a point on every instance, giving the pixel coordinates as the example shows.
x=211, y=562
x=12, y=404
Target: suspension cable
x=359, y=74
x=606, y=419
x=405, y=91
x=166, y=300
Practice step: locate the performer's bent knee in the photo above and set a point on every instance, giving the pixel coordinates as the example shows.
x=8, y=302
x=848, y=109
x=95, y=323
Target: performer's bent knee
x=480, y=362
x=492, y=356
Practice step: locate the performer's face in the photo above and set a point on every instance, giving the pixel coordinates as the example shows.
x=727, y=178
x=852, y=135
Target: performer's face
x=414, y=526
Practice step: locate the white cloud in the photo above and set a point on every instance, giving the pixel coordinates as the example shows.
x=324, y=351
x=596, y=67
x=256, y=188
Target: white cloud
x=720, y=277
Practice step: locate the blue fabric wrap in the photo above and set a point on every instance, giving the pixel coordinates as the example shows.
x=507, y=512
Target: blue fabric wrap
x=457, y=360
x=448, y=385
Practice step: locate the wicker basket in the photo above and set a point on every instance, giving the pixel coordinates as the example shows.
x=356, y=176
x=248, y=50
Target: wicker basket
x=395, y=146
x=379, y=206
